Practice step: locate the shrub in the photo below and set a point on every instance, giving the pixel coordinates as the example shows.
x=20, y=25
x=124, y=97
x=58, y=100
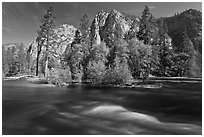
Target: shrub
x=119, y=74
x=139, y=59
x=60, y=76
x=96, y=72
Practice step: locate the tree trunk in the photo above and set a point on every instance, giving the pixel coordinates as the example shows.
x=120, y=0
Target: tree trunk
x=84, y=77
x=37, y=64
x=38, y=54
x=72, y=72
x=28, y=59
x=46, y=69
x=46, y=56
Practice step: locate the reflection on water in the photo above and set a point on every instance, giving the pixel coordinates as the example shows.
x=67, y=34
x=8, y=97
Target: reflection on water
x=29, y=109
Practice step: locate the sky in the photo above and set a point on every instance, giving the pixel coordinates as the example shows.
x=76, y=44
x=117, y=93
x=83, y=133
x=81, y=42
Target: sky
x=21, y=20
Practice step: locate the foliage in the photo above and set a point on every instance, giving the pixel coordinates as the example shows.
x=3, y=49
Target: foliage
x=119, y=49
x=73, y=58
x=9, y=60
x=117, y=71
x=14, y=59
x=188, y=59
x=120, y=74
x=45, y=35
x=185, y=29
x=185, y=59
x=165, y=53
x=139, y=58
x=163, y=47
x=59, y=76
x=97, y=55
x=180, y=64
x=132, y=33
x=86, y=45
x=96, y=71
x=84, y=28
x=147, y=28
x=22, y=58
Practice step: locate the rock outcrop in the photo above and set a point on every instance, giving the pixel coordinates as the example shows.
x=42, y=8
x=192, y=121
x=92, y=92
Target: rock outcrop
x=109, y=26
x=63, y=36
x=97, y=25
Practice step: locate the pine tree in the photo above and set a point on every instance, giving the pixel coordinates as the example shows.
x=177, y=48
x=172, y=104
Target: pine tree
x=40, y=40
x=45, y=35
x=96, y=67
x=86, y=45
x=180, y=64
x=188, y=48
x=74, y=55
x=186, y=45
x=77, y=37
x=119, y=48
x=185, y=60
x=147, y=27
x=139, y=58
x=165, y=52
x=84, y=28
x=77, y=56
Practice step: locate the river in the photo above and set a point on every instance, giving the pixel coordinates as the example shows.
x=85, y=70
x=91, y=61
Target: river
x=33, y=109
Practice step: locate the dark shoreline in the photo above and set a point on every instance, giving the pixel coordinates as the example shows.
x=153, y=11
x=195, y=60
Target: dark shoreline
x=153, y=82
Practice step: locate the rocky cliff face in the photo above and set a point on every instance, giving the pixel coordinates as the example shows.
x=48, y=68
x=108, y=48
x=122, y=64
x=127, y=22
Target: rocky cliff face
x=63, y=36
x=96, y=27
x=109, y=26
x=115, y=26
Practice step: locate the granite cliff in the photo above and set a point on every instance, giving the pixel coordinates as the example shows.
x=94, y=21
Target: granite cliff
x=108, y=26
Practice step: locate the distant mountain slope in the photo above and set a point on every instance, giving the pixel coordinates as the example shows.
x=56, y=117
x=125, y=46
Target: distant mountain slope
x=191, y=22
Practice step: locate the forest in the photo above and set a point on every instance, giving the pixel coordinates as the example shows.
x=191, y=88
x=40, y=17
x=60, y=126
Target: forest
x=105, y=53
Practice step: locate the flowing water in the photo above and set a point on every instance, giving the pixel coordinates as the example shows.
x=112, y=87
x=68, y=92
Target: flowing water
x=33, y=109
